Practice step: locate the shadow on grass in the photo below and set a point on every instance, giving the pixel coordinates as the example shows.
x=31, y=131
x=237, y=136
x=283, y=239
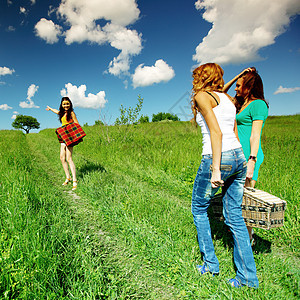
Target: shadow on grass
x=90, y=167
x=220, y=230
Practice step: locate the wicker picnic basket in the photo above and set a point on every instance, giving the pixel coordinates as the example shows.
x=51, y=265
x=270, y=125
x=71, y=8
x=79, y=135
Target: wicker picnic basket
x=260, y=209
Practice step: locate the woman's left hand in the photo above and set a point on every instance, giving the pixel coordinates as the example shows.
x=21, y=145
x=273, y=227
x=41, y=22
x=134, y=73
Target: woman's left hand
x=250, y=169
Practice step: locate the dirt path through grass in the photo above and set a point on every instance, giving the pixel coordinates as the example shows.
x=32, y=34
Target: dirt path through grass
x=126, y=270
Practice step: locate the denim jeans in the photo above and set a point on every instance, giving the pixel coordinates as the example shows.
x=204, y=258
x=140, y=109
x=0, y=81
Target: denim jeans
x=233, y=172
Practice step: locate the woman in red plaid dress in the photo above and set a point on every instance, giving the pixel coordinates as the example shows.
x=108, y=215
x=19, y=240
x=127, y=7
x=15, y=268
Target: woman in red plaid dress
x=66, y=116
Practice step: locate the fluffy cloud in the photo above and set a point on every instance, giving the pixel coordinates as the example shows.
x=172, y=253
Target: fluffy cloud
x=282, y=90
x=239, y=30
x=5, y=107
x=79, y=99
x=30, y=93
x=47, y=31
x=6, y=71
x=145, y=76
x=81, y=18
x=14, y=115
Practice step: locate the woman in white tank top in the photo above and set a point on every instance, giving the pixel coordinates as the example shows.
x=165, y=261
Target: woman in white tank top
x=223, y=165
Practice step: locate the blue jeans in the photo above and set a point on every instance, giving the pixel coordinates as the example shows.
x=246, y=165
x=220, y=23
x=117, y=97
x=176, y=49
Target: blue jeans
x=233, y=172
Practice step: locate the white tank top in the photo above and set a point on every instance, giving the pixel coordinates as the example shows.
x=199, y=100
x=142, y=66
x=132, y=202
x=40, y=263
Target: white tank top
x=225, y=113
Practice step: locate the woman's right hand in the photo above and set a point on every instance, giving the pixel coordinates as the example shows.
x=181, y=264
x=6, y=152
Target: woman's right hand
x=48, y=108
x=216, y=180
x=247, y=70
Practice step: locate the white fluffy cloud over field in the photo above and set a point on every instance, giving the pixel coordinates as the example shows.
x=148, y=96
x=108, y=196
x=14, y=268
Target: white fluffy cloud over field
x=82, y=24
x=145, y=75
x=47, y=31
x=30, y=94
x=283, y=90
x=6, y=71
x=79, y=99
x=5, y=107
x=241, y=28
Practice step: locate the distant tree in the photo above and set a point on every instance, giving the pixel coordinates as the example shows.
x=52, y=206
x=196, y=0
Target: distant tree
x=26, y=123
x=164, y=116
x=143, y=119
x=129, y=115
x=99, y=122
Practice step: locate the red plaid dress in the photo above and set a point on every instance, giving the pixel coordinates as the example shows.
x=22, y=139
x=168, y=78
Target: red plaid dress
x=70, y=134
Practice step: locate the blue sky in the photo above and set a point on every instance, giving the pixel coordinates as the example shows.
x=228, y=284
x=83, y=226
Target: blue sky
x=105, y=53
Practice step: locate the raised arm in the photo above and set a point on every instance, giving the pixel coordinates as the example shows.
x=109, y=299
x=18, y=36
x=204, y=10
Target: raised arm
x=52, y=109
x=228, y=85
x=204, y=104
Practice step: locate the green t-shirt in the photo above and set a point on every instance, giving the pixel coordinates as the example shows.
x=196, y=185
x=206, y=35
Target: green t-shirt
x=256, y=110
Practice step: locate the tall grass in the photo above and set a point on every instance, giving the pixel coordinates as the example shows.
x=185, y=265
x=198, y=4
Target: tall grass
x=45, y=254
x=128, y=232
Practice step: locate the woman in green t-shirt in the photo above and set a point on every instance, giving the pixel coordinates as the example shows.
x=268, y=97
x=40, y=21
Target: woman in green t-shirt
x=252, y=112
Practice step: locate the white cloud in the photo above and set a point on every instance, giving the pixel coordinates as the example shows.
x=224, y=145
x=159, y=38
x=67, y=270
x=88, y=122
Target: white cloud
x=145, y=76
x=23, y=10
x=241, y=28
x=10, y=28
x=30, y=93
x=6, y=71
x=282, y=90
x=81, y=17
x=79, y=99
x=14, y=115
x=5, y=107
x=47, y=30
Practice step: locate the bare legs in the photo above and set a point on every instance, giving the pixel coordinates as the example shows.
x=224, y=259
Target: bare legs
x=250, y=183
x=66, y=158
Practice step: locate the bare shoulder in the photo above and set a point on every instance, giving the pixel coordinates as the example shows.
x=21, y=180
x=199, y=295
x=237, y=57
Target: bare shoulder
x=202, y=96
x=203, y=101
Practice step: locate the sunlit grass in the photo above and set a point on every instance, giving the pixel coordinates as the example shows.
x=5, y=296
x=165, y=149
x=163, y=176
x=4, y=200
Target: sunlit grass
x=130, y=233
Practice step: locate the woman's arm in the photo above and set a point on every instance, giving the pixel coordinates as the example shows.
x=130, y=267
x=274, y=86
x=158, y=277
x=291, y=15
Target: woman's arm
x=204, y=103
x=74, y=117
x=52, y=109
x=228, y=85
x=254, y=145
x=236, y=131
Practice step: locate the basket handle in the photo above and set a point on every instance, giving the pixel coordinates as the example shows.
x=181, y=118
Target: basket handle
x=250, y=189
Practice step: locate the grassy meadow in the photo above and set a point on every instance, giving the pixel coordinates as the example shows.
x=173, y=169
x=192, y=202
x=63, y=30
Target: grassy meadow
x=128, y=232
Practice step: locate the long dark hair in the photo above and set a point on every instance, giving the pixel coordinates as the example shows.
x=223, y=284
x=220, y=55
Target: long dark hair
x=253, y=83
x=62, y=111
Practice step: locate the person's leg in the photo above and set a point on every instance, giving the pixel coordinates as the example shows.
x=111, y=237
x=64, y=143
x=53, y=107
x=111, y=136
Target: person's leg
x=69, y=152
x=63, y=148
x=232, y=201
x=202, y=193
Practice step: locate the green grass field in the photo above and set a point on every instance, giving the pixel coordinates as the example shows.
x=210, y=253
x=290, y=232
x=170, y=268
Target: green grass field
x=128, y=232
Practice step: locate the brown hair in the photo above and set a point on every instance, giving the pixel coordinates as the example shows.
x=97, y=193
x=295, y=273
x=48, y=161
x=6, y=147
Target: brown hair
x=207, y=78
x=253, y=83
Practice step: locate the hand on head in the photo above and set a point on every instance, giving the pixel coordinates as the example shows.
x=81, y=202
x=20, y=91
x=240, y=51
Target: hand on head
x=251, y=69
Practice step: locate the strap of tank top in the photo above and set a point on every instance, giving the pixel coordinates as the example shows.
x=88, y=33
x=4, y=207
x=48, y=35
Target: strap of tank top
x=209, y=93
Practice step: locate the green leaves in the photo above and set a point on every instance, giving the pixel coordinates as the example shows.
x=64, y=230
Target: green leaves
x=26, y=123
x=129, y=115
